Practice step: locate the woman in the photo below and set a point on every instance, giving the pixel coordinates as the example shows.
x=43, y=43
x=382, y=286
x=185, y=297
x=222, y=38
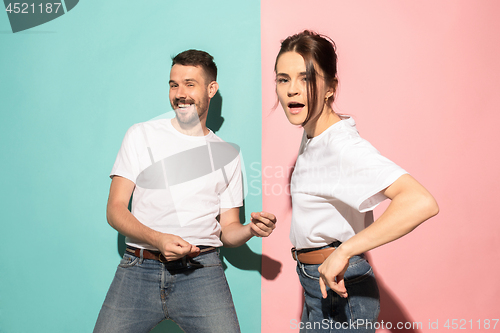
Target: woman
x=339, y=178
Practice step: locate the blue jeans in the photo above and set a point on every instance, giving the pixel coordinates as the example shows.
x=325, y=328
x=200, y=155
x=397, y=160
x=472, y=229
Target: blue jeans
x=192, y=292
x=356, y=313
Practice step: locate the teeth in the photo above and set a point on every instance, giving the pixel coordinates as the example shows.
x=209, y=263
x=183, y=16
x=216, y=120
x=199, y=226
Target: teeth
x=184, y=105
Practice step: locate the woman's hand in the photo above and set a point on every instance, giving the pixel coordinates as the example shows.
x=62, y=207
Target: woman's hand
x=332, y=273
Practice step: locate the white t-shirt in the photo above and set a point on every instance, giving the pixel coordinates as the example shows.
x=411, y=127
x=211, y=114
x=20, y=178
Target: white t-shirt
x=181, y=181
x=336, y=183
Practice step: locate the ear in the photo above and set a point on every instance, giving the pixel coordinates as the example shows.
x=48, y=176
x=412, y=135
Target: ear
x=329, y=93
x=212, y=88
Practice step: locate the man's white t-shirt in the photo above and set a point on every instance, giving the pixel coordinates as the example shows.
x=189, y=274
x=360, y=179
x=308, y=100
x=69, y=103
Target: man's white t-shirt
x=337, y=181
x=181, y=181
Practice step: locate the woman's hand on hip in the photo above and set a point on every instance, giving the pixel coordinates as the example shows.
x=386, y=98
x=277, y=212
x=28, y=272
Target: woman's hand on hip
x=332, y=274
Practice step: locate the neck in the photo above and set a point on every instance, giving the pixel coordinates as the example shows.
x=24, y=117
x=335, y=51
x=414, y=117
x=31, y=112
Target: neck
x=198, y=128
x=318, y=125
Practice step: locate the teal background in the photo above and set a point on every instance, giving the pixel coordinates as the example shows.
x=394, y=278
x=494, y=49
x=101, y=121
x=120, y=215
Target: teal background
x=69, y=90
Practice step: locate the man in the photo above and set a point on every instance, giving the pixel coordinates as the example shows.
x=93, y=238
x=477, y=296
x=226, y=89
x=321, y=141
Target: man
x=186, y=186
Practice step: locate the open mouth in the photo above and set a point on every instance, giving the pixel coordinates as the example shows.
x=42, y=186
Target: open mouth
x=295, y=107
x=185, y=106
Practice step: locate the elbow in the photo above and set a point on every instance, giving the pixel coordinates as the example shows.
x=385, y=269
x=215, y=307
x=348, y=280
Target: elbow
x=108, y=218
x=429, y=206
x=110, y=209
x=227, y=243
x=435, y=208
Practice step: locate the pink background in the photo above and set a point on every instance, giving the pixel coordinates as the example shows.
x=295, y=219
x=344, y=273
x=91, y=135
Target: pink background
x=422, y=80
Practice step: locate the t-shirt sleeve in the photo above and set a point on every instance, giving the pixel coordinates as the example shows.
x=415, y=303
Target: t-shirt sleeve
x=365, y=173
x=232, y=196
x=127, y=161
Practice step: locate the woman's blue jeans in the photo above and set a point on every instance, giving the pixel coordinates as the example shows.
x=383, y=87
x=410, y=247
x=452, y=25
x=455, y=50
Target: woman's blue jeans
x=356, y=313
x=193, y=293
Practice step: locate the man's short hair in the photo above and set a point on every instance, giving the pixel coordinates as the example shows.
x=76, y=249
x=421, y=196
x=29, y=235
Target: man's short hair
x=198, y=58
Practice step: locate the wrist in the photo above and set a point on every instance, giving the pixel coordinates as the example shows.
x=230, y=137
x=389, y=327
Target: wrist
x=344, y=251
x=247, y=233
x=154, y=239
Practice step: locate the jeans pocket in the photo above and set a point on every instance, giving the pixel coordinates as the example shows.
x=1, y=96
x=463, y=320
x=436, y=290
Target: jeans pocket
x=310, y=271
x=128, y=261
x=364, y=298
x=358, y=270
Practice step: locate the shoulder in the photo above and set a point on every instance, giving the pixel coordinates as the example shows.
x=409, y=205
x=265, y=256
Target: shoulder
x=344, y=144
x=339, y=136
x=226, y=145
x=212, y=137
x=223, y=152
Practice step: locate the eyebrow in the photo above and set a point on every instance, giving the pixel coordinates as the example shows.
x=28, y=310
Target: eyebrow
x=285, y=74
x=186, y=80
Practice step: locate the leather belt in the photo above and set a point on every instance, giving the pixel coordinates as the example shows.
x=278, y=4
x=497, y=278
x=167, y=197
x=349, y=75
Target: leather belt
x=157, y=255
x=314, y=257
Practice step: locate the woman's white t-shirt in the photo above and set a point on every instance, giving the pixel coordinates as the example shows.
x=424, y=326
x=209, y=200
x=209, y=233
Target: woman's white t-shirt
x=337, y=181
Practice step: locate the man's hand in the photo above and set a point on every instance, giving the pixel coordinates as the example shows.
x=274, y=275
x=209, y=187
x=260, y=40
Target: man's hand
x=174, y=247
x=262, y=224
x=332, y=274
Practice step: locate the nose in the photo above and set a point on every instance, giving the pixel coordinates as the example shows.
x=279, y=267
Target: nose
x=180, y=92
x=293, y=88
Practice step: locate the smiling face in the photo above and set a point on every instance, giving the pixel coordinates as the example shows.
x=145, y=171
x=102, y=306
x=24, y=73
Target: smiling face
x=291, y=87
x=190, y=94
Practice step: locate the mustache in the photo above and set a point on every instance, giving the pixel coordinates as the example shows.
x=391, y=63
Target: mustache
x=178, y=101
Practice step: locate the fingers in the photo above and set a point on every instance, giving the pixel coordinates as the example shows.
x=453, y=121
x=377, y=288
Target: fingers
x=339, y=288
x=264, y=217
x=174, y=247
x=262, y=223
x=322, y=286
x=195, y=251
x=335, y=283
x=179, y=252
x=174, y=252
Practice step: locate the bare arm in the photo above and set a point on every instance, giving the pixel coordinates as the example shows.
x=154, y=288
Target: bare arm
x=235, y=234
x=411, y=205
x=119, y=217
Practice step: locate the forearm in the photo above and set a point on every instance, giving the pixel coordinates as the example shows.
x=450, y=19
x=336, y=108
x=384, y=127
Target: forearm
x=235, y=234
x=405, y=212
x=120, y=218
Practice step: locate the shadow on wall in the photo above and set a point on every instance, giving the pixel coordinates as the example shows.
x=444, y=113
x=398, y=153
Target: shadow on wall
x=214, y=117
x=391, y=309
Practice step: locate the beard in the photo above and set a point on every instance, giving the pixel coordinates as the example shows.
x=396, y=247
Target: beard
x=189, y=115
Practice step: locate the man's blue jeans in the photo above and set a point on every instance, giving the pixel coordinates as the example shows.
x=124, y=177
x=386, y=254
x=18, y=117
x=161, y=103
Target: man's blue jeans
x=356, y=313
x=193, y=293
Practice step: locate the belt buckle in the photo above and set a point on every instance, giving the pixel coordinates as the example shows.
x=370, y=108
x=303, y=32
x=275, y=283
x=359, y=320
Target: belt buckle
x=160, y=256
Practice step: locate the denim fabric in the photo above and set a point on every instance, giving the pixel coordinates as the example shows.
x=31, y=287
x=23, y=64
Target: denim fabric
x=193, y=293
x=337, y=314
